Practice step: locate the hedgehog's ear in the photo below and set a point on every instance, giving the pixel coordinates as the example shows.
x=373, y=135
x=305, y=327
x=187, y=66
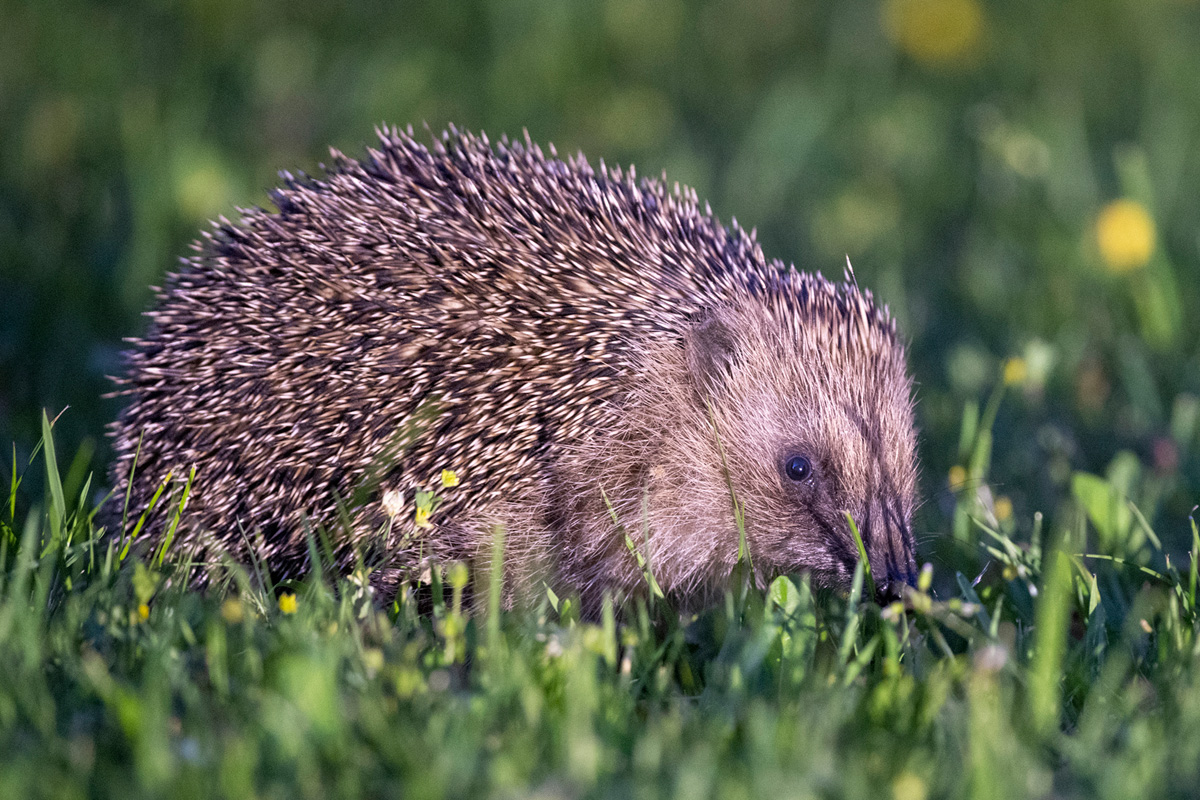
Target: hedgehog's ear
x=711, y=348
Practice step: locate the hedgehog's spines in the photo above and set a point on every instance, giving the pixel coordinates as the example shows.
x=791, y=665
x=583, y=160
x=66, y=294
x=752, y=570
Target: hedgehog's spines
x=514, y=288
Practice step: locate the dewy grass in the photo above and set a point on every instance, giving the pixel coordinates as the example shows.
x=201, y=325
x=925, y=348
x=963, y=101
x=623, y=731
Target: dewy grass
x=1021, y=674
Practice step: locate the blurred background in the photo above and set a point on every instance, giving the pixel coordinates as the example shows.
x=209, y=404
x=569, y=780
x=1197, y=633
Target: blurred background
x=1019, y=180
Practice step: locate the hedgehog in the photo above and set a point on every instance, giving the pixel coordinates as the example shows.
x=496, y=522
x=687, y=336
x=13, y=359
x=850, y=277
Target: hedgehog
x=616, y=381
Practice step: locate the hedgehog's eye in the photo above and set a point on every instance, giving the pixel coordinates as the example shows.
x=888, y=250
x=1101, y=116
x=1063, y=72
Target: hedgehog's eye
x=798, y=468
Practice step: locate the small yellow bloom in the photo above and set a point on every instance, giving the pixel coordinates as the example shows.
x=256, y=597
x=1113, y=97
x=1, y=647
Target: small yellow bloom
x=1016, y=371
x=232, y=611
x=143, y=612
x=1126, y=235
x=457, y=575
x=936, y=32
x=909, y=787
x=1003, y=507
x=287, y=603
x=449, y=479
x=925, y=579
x=422, y=518
x=373, y=659
x=958, y=476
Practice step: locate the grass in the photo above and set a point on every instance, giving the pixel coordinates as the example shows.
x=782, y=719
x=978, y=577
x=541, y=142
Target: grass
x=1016, y=180
x=1050, y=672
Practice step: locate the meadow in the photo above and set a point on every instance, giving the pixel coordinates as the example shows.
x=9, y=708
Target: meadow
x=1020, y=182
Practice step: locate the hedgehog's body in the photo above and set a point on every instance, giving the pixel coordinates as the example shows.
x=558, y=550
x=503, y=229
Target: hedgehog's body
x=548, y=333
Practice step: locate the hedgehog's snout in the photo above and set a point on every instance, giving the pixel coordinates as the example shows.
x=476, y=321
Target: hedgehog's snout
x=892, y=587
x=889, y=592
x=887, y=534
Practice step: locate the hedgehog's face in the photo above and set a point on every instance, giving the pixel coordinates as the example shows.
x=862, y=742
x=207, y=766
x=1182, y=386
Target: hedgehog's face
x=809, y=439
x=832, y=461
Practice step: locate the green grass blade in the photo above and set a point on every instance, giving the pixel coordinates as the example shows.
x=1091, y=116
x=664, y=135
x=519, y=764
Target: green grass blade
x=179, y=507
x=128, y=492
x=1052, y=616
x=1192, y=570
x=12, y=489
x=495, y=587
x=57, y=498
x=853, y=615
x=868, y=578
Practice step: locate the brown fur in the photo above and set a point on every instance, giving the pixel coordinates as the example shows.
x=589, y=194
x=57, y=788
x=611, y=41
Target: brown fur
x=555, y=334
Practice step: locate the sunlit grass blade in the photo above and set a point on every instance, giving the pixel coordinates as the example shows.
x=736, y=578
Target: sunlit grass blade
x=128, y=493
x=169, y=537
x=1052, y=616
x=58, y=502
x=853, y=615
x=868, y=578
x=495, y=587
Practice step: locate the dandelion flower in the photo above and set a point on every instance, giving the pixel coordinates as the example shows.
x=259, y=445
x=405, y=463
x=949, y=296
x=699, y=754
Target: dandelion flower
x=287, y=603
x=1003, y=508
x=143, y=612
x=1016, y=371
x=958, y=476
x=449, y=479
x=934, y=32
x=232, y=611
x=1126, y=235
x=908, y=786
x=421, y=520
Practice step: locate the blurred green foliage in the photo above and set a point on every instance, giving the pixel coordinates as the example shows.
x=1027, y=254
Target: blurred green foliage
x=959, y=152
x=1051, y=674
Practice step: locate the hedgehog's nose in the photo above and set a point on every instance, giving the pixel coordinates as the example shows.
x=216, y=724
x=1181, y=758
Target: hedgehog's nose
x=891, y=559
x=892, y=587
x=889, y=592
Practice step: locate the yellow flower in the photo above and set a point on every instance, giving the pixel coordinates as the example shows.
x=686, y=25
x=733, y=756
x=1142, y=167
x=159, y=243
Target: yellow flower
x=143, y=612
x=958, y=476
x=422, y=518
x=907, y=786
x=449, y=479
x=287, y=603
x=936, y=32
x=1016, y=371
x=1126, y=235
x=232, y=611
x=925, y=579
x=373, y=659
x=457, y=575
x=1003, y=507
